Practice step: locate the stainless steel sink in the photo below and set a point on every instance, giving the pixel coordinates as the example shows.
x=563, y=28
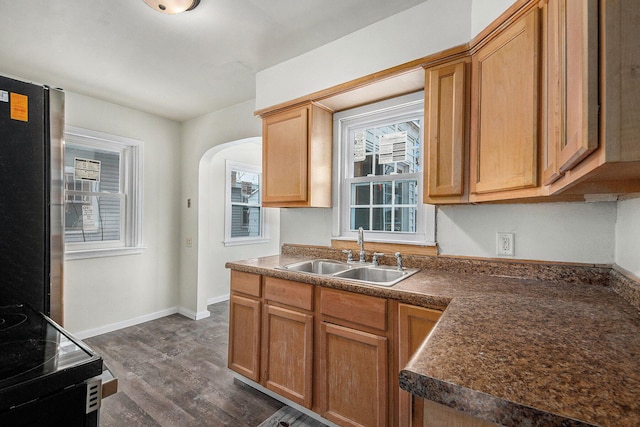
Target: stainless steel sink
x=318, y=266
x=377, y=275
x=366, y=273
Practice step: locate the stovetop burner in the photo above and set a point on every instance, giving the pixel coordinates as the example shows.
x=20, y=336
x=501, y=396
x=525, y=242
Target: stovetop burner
x=38, y=357
x=11, y=320
x=21, y=357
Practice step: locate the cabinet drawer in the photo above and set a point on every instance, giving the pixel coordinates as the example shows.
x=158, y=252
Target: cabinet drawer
x=246, y=283
x=354, y=308
x=295, y=294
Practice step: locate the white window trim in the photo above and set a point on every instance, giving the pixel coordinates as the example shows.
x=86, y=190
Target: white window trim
x=264, y=232
x=131, y=243
x=426, y=227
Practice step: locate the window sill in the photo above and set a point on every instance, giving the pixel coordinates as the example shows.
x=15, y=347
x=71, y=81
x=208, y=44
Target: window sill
x=102, y=253
x=245, y=242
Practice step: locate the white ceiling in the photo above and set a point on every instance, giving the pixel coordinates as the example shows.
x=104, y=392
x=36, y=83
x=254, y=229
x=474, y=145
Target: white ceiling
x=178, y=66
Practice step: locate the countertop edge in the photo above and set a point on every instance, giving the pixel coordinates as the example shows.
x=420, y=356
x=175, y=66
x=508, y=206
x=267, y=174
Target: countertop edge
x=479, y=404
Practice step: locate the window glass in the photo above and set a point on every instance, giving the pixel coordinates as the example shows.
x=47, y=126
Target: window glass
x=103, y=193
x=245, y=204
x=380, y=176
x=93, y=210
x=244, y=218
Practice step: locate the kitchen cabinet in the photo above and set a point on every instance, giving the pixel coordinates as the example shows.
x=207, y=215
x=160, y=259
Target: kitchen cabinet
x=296, y=157
x=437, y=415
x=288, y=339
x=337, y=353
x=414, y=324
x=599, y=151
x=504, y=112
x=245, y=325
x=354, y=359
x=446, y=132
x=570, y=84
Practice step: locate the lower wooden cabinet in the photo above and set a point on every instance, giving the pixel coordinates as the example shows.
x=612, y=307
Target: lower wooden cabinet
x=288, y=353
x=244, y=336
x=245, y=308
x=353, y=371
x=414, y=324
x=334, y=352
x=437, y=415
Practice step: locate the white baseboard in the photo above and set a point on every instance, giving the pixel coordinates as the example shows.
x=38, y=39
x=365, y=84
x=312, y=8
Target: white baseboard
x=216, y=300
x=192, y=314
x=152, y=316
x=125, y=323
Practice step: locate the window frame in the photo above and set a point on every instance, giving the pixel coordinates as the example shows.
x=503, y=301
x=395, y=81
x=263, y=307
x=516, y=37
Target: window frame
x=371, y=115
x=230, y=166
x=131, y=193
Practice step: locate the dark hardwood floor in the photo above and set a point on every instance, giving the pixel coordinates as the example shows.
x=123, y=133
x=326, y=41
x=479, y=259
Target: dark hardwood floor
x=172, y=372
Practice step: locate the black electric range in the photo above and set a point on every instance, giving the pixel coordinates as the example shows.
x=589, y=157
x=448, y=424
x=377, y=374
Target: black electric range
x=43, y=369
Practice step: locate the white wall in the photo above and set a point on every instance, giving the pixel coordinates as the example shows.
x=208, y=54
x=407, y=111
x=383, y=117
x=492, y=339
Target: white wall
x=213, y=277
x=568, y=232
x=198, y=136
x=309, y=226
x=102, y=293
x=628, y=235
x=483, y=12
x=424, y=29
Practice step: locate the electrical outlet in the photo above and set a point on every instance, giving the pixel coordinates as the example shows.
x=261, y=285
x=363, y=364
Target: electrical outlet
x=189, y=242
x=505, y=244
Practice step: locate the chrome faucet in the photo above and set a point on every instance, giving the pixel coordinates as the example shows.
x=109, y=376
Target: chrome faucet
x=361, y=243
x=399, y=260
x=376, y=257
x=349, y=254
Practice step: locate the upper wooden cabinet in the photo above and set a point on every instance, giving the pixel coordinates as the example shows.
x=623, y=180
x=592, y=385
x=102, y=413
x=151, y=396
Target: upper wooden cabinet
x=600, y=152
x=570, y=84
x=504, y=111
x=296, y=157
x=446, y=132
x=547, y=110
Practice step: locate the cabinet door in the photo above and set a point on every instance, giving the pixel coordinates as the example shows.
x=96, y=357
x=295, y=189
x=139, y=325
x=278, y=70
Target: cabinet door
x=244, y=336
x=580, y=74
x=504, y=109
x=552, y=96
x=284, y=156
x=288, y=353
x=414, y=324
x=445, y=120
x=354, y=372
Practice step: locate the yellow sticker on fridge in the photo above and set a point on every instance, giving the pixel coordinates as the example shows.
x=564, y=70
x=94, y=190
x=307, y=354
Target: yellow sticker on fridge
x=19, y=107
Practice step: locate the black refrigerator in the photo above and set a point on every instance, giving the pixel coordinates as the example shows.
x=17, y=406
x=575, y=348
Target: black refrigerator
x=47, y=377
x=31, y=196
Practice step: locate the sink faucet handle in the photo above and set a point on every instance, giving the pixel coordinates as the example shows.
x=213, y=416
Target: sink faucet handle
x=376, y=256
x=349, y=254
x=399, y=260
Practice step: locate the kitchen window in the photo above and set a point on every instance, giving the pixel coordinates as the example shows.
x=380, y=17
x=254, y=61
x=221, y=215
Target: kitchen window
x=103, y=194
x=380, y=172
x=244, y=217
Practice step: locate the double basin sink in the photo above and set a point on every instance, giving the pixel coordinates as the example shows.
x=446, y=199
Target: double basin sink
x=380, y=275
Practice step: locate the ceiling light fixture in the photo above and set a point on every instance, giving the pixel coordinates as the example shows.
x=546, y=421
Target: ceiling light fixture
x=171, y=7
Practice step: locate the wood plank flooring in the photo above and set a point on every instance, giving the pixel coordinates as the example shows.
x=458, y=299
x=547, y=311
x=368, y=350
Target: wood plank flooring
x=172, y=372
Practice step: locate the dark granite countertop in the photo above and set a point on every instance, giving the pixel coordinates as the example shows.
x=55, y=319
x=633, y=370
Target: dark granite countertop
x=558, y=351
